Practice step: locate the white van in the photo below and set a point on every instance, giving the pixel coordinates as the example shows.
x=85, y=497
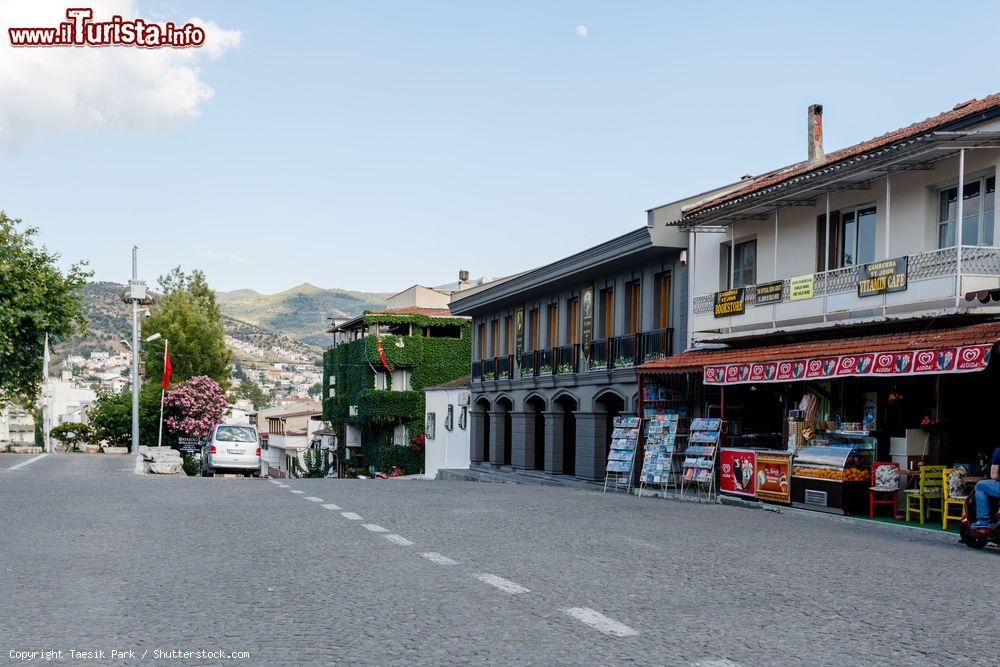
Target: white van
x=232, y=447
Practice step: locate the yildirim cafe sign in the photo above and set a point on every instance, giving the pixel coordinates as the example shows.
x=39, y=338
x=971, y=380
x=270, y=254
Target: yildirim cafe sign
x=888, y=275
x=731, y=302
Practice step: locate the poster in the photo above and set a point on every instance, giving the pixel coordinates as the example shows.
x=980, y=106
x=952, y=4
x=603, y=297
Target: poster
x=801, y=287
x=730, y=302
x=519, y=332
x=771, y=292
x=889, y=275
x=737, y=472
x=773, y=473
x=588, y=320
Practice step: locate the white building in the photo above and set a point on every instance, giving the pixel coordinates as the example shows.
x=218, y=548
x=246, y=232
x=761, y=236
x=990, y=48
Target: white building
x=446, y=426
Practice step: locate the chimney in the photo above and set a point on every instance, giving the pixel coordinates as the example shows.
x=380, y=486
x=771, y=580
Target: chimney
x=816, y=154
x=463, y=276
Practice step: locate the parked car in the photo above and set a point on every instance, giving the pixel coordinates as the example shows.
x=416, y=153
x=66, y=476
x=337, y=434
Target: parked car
x=232, y=448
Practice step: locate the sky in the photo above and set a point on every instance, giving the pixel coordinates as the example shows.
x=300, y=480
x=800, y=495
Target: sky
x=374, y=145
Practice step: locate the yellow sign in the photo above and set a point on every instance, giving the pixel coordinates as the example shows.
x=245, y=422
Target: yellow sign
x=801, y=287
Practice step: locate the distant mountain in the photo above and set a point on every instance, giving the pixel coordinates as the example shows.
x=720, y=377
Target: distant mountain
x=301, y=312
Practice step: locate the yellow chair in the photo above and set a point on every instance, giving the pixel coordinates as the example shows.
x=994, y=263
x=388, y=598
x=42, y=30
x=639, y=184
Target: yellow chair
x=953, y=485
x=928, y=489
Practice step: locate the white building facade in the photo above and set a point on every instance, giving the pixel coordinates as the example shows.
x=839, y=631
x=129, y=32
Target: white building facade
x=446, y=427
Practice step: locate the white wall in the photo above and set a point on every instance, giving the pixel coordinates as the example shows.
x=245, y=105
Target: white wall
x=448, y=449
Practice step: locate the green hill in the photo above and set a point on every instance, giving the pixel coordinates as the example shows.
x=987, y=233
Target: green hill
x=301, y=312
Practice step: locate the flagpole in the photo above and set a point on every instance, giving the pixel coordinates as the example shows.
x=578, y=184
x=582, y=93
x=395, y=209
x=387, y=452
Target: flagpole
x=46, y=402
x=159, y=440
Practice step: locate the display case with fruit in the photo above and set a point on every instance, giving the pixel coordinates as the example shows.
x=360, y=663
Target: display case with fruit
x=833, y=478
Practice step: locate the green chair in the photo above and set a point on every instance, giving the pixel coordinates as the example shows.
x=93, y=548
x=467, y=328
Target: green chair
x=929, y=488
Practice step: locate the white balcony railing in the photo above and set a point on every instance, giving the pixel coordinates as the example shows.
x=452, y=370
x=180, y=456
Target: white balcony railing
x=976, y=261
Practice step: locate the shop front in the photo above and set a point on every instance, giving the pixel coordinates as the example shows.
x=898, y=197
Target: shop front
x=812, y=423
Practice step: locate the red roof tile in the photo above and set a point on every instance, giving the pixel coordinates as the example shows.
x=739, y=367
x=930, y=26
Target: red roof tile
x=958, y=112
x=971, y=334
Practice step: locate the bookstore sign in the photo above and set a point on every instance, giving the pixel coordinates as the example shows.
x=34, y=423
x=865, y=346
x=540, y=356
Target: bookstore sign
x=730, y=302
x=889, y=275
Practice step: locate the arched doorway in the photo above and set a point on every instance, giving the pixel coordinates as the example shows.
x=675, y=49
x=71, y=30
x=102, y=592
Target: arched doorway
x=481, y=414
x=609, y=404
x=535, y=405
x=567, y=406
x=502, y=409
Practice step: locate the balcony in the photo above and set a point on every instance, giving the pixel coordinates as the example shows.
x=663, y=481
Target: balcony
x=505, y=367
x=631, y=349
x=657, y=344
x=567, y=359
x=529, y=364
x=936, y=280
x=477, y=371
x=490, y=368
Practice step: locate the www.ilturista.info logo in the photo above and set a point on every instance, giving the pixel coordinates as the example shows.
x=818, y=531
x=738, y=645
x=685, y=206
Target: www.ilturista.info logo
x=81, y=30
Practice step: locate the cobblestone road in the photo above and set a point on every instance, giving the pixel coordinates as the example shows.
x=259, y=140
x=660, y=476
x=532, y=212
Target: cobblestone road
x=95, y=557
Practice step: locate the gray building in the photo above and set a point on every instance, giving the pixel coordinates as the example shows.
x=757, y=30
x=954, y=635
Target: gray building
x=554, y=350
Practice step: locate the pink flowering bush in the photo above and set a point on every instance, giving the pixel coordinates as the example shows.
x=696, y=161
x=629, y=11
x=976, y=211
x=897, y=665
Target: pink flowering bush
x=194, y=407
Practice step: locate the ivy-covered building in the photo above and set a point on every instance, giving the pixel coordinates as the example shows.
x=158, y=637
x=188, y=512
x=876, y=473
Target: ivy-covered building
x=374, y=375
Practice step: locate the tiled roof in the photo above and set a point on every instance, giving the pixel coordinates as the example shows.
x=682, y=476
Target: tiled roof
x=457, y=383
x=959, y=112
x=970, y=334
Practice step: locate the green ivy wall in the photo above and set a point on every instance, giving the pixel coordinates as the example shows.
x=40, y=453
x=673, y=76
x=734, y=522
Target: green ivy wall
x=432, y=362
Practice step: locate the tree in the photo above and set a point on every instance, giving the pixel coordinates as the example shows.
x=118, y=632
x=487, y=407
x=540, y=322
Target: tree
x=111, y=416
x=251, y=391
x=35, y=298
x=316, y=464
x=71, y=433
x=189, y=317
x=316, y=389
x=194, y=407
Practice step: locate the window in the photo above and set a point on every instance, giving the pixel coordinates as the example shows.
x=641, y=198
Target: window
x=573, y=321
x=402, y=379
x=380, y=380
x=535, y=326
x=463, y=417
x=827, y=260
x=449, y=419
x=745, y=255
x=495, y=338
x=429, y=427
x=857, y=233
x=662, y=288
x=608, y=312
x=481, y=331
x=634, y=291
x=509, y=327
x=977, y=213
x=443, y=331
x=401, y=435
x=554, y=328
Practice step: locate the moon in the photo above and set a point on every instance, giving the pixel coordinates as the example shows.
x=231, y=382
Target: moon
x=581, y=30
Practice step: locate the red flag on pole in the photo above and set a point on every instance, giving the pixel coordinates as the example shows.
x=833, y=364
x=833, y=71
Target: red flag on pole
x=167, y=368
x=381, y=354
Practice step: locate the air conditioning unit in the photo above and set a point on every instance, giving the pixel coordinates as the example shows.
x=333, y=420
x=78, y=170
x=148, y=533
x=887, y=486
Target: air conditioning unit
x=464, y=399
x=333, y=380
x=352, y=411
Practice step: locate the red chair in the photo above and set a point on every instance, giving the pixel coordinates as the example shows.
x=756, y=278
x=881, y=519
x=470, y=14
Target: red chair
x=884, y=489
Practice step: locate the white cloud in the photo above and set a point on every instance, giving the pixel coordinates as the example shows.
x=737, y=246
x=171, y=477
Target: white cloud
x=581, y=30
x=71, y=89
x=206, y=253
x=239, y=259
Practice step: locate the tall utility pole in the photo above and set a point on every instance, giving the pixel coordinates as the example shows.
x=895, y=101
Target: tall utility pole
x=136, y=293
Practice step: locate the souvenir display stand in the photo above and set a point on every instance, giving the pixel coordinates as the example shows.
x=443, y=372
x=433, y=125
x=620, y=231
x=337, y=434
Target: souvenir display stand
x=660, y=467
x=621, y=458
x=699, y=457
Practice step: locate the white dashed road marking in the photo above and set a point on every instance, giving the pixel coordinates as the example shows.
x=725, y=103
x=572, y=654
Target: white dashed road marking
x=715, y=662
x=282, y=486
x=351, y=515
x=28, y=462
x=600, y=622
x=505, y=585
x=374, y=527
x=314, y=499
x=438, y=558
x=331, y=506
x=297, y=491
x=398, y=539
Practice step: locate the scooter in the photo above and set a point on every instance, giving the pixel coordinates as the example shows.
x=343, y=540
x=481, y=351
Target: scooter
x=977, y=538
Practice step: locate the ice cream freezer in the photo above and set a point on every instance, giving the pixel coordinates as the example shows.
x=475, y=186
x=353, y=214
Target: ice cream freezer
x=834, y=479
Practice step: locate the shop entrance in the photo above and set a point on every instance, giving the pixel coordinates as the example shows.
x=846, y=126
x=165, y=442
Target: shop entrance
x=568, y=406
x=537, y=406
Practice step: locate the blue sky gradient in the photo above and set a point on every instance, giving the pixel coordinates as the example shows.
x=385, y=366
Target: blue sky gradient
x=372, y=145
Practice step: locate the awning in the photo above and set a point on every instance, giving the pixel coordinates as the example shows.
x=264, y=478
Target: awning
x=963, y=349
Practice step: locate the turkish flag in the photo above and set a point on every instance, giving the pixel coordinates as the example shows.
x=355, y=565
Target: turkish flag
x=167, y=368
